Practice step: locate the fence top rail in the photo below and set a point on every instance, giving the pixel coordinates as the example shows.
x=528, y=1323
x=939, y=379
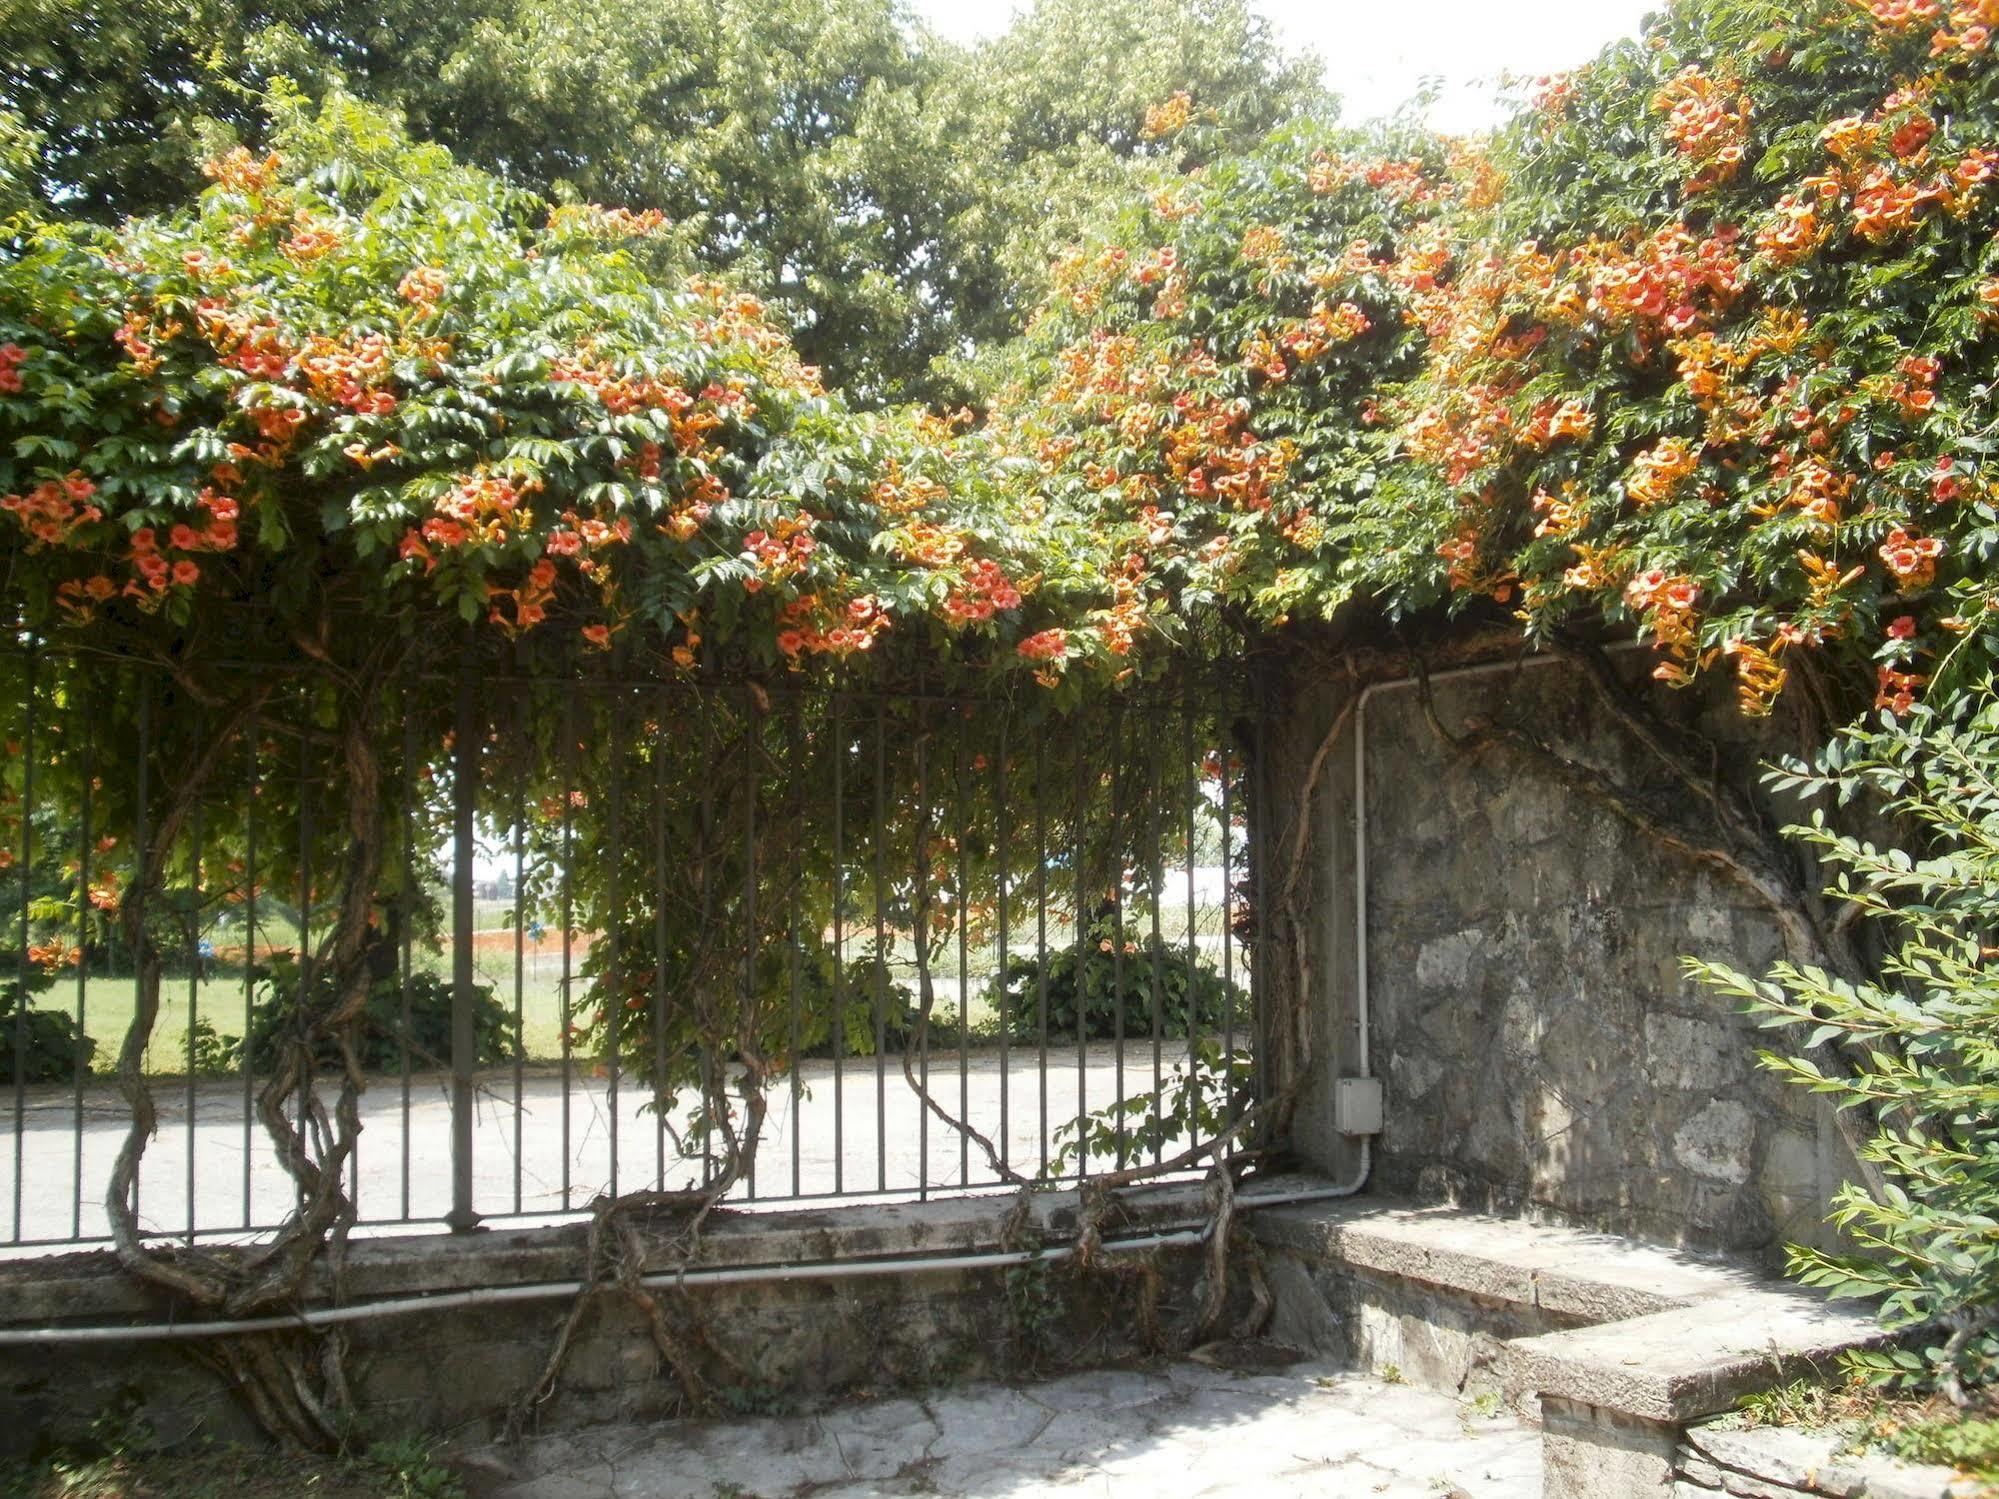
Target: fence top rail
x=1230, y=682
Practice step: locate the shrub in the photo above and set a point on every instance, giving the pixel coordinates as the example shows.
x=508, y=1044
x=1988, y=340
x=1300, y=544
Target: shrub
x=54, y=1048
x=379, y=1046
x=1190, y=1003
x=1923, y=1040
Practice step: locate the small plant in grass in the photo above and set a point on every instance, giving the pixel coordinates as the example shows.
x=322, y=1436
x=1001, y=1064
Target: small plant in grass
x=1921, y=1042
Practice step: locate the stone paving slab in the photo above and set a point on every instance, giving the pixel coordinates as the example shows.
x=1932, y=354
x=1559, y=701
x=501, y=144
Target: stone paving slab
x=1185, y=1429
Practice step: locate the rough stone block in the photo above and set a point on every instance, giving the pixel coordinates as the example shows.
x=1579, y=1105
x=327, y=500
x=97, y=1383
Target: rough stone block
x=1682, y=1365
x=1795, y=1460
x=1591, y=1453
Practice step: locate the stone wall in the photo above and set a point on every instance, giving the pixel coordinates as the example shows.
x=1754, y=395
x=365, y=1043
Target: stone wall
x=775, y=1345
x=1539, y=1048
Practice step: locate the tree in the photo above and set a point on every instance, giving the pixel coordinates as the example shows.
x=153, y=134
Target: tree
x=122, y=95
x=890, y=196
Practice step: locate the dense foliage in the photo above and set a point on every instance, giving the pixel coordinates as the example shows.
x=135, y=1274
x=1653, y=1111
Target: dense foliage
x=1715, y=361
x=372, y=390
x=1928, y=1245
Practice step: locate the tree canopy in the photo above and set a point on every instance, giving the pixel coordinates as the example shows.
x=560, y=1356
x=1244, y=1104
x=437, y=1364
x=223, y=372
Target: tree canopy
x=894, y=197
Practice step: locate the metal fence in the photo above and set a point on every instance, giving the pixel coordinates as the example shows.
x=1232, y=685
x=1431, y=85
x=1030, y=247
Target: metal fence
x=610, y=918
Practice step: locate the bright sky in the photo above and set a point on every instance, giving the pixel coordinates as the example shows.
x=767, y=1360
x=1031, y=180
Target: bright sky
x=1377, y=53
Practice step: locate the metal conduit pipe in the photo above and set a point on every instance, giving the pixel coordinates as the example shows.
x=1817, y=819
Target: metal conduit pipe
x=1362, y=1010
x=404, y=1306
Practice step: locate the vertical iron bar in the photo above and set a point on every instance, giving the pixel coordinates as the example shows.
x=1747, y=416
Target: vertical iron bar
x=1191, y=790
x=1259, y=979
x=921, y=923
x=250, y=819
x=881, y=944
x=839, y=946
x=193, y=1001
x=797, y=748
x=464, y=814
x=610, y=973
x=1080, y=856
x=566, y=911
x=963, y=915
x=1041, y=931
x=81, y=1064
x=1004, y=855
x=752, y=747
x=659, y=939
x=27, y=895
x=141, y=853
x=408, y=925
x=1228, y=897
x=1156, y=955
x=520, y=819
x=249, y=956
x=1117, y=916
x=708, y=845
x=304, y=925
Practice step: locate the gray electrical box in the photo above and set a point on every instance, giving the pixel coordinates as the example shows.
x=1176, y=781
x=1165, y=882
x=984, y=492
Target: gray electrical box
x=1357, y=1105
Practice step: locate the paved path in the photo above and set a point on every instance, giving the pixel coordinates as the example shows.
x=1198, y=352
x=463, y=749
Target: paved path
x=560, y=1155
x=1180, y=1431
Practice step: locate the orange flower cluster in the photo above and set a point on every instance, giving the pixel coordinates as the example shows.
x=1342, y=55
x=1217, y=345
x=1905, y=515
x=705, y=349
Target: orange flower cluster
x=424, y=286
x=155, y=572
x=1173, y=204
x=984, y=590
x=1552, y=421
x=484, y=505
x=1760, y=676
x=780, y=553
x=1794, y=231
x=1912, y=559
x=12, y=357
x=1911, y=389
x=810, y=625
x=1896, y=690
x=696, y=505
x=1969, y=31
x=1045, y=645
x=899, y=493
x=1659, y=471
x=349, y=374
x=56, y=954
x=1674, y=278
x=1303, y=339
x=1558, y=516
x=54, y=510
x=1813, y=487
x=1708, y=123
x=1169, y=118
x=594, y=219
x=240, y=172
x=1212, y=454
x=530, y=600
x=1666, y=604
x=260, y=350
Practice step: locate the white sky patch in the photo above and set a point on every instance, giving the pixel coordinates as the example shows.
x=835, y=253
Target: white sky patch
x=1377, y=53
